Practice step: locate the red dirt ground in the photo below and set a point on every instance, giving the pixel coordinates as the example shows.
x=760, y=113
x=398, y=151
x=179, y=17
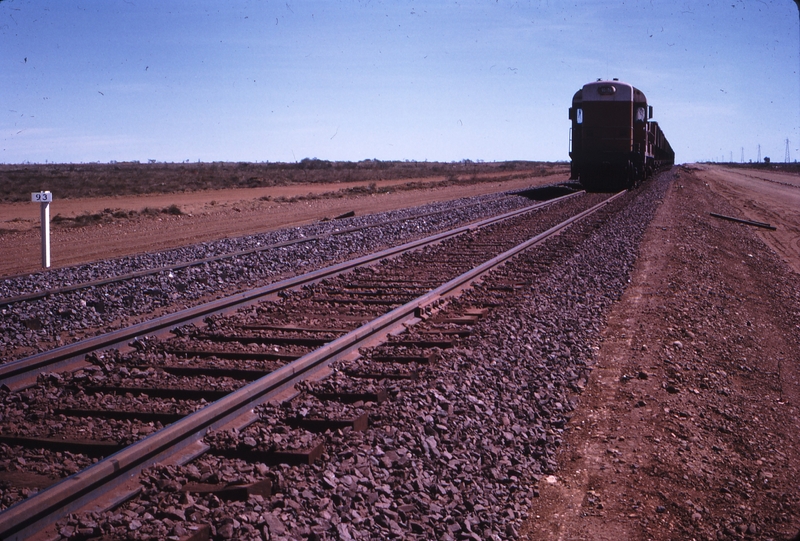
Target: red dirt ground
x=208, y=215
x=689, y=426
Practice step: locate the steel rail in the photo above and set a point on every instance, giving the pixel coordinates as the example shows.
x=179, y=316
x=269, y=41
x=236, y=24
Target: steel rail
x=31, y=516
x=23, y=370
x=212, y=259
x=746, y=222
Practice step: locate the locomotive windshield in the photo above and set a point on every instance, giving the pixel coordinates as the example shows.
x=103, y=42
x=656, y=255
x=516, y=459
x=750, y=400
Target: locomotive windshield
x=641, y=114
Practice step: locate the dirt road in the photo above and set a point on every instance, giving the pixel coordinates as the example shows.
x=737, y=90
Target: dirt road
x=690, y=424
x=764, y=196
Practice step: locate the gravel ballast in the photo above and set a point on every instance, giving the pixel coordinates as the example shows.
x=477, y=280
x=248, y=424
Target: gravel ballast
x=30, y=327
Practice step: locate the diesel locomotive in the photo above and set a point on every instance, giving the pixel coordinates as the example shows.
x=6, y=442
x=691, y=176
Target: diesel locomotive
x=614, y=144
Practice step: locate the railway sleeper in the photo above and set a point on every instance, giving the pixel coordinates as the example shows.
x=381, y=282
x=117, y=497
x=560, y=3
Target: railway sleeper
x=92, y=448
x=302, y=341
x=428, y=359
x=401, y=282
x=231, y=491
x=387, y=288
x=373, y=292
x=213, y=371
x=358, y=423
x=233, y=355
x=410, y=375
x=379, y=396
x=123, y=415
x=437, y=331
x=29, y=480
x=467, y=316
x=420, y=343
x=209, y=395
x=292, y=328
x=368, y=302
x=509, y=286
x=274, y=458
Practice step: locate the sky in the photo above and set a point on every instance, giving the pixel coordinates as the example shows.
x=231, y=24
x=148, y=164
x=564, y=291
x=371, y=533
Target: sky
x=440, y=80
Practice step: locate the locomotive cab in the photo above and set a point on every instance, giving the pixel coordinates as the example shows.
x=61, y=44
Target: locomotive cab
x=611, y=144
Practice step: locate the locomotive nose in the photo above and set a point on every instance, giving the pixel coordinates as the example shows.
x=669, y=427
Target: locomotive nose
x=613, y=143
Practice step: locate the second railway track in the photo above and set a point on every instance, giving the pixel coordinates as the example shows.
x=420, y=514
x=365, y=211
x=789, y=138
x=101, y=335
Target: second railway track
x=117, y=397
x=89, y=279
x=63, y=305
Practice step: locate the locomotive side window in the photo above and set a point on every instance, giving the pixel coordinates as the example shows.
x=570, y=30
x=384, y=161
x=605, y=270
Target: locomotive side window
x=641, y=114
x=579, y=116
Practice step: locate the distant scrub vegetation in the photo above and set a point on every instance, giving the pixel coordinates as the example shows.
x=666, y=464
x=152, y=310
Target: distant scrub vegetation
x=17, y=182
x=111, y=215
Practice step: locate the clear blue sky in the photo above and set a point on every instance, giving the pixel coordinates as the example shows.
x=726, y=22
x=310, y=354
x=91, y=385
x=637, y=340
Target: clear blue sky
x=260, y=80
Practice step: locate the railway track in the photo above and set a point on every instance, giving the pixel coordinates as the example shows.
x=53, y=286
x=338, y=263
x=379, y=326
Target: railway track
x=212, y=382
x=87, y=306
x=88, y=282
x=19, y=373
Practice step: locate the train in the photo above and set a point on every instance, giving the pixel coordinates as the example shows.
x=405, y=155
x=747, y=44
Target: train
x=614, y=143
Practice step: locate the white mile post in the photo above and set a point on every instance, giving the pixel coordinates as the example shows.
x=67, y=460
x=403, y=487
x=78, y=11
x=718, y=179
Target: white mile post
x=44, y=198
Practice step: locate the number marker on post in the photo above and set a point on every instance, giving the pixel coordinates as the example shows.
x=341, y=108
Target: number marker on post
x=44, y=198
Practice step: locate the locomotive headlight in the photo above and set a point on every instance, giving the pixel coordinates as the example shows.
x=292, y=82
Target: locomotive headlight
x=607, y=90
